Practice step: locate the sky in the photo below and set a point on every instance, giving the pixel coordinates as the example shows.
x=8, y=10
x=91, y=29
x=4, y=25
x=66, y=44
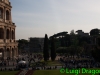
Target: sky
x=35, y=18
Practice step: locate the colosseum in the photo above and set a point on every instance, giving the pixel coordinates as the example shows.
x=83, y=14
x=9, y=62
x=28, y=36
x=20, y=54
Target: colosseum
x=8, y=45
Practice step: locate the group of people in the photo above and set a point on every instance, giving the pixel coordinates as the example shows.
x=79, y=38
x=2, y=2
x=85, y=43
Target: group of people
x=9, y=69
x=7, y=63
x=69, y=62
x=83, y=62
x=44, y=68
x=30, y=58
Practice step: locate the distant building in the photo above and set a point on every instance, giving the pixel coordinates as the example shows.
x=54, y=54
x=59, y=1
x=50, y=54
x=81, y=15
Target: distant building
x=80, y=32
x=36, y=44
x=26, y=48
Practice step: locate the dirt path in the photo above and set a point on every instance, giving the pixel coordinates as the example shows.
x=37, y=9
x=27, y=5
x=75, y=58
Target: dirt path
x=30, y=72
x=18, y=72
x=25, y=72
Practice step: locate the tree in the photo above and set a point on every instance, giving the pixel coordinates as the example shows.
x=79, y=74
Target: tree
x=96, y=54
x=61, y=39
x=72, y=36
x=94, y=32
x=21, y=44
x=60, y=34
x=98, y=39
x=53, y=52
x=72, y=32
x=46, y=48
x=62, y=50
x=67, y=40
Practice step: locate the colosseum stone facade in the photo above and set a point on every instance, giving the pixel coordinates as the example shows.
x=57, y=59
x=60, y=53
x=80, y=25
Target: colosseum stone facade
x=8, y=45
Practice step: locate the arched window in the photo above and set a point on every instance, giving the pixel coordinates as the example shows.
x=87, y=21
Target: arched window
x=12, y=52
x=12, y=34
x=8, y=53
x=1, y=52
x=7, y=15
x=1, y=33
x=1, y=13
x=7, y=34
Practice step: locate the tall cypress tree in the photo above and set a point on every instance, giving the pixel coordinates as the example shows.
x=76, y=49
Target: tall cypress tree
x=45, y=48
x=53, y=50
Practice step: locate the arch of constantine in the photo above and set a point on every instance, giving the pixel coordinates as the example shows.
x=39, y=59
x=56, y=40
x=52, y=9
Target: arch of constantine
x=8, y=45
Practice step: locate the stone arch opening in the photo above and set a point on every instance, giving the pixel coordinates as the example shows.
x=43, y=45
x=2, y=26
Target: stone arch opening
x=8, y=53
x=13, y=53
x=12, y=34
x=1, y=52
x=16, y=51
x=1, y=13
x=1, y=33
x=8, y=34
x=7, y=15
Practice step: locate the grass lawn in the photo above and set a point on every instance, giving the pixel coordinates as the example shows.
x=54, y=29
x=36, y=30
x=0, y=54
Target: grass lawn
x=49, y=63
x=47, y=72
x=82, y=59
x=52, y=63
x=56, y=72
x=8, y=72
x=78, y=58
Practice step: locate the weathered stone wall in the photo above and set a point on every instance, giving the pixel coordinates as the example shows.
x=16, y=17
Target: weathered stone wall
x=8, y=45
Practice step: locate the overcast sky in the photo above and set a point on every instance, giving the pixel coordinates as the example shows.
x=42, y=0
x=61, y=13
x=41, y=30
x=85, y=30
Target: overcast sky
x=35, y=18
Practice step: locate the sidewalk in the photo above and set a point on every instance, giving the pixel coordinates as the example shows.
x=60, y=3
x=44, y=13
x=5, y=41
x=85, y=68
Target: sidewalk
x=25, y=72
x=19, y=72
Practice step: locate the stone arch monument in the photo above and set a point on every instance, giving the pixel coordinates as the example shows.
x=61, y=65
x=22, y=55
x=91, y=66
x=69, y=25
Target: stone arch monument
x=8, y=45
